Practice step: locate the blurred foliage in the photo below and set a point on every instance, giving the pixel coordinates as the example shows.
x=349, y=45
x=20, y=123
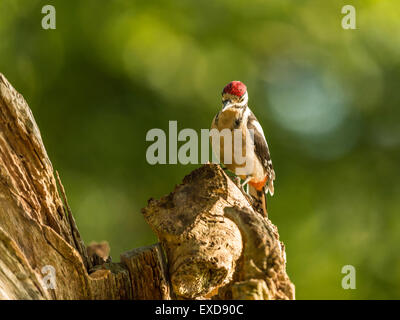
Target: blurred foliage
x=328, y=100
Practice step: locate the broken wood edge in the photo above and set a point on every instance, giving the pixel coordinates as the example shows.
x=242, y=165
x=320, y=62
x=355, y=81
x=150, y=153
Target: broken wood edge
x=79, y=244
x=149, y=273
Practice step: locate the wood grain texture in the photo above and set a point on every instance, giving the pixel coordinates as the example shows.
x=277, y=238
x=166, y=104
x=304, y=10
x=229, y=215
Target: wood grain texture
x=37, y=229
x=217, y=245
x=17, y=279
x=147, y=267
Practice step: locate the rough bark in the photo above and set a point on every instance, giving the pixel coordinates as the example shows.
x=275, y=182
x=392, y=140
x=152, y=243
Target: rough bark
x=36, y=229
x=147, y=267
x=217, y=246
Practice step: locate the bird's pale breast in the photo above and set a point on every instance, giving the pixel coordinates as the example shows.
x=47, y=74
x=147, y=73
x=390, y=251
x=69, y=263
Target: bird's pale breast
x=231, y=119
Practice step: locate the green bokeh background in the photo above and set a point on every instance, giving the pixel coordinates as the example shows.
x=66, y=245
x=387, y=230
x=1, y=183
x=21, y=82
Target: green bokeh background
x=328, y=100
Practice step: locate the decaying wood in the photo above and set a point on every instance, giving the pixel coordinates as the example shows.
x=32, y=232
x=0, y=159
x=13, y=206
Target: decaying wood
x=17, y=279
x=262, y=272
x=35, y=228
x=216, y=246
x=147, y=267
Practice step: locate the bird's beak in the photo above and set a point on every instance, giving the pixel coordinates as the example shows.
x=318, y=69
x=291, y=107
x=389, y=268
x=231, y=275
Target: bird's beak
x=226, y=104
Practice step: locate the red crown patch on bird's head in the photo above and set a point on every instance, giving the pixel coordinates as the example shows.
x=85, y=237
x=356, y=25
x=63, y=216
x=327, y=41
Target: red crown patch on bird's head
x=236, y=88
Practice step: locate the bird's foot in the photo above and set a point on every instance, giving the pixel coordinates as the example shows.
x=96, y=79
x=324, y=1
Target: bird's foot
x=236, y=180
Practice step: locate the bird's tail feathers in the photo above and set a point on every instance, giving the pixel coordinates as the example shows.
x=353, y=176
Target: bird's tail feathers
x=269, y=187
x=260, y=197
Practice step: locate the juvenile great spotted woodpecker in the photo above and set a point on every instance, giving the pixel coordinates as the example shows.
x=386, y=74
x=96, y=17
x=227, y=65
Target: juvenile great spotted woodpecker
x=236, y=114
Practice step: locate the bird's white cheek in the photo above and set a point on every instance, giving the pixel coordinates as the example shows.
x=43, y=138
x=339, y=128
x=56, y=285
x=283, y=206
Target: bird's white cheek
x=245, y=100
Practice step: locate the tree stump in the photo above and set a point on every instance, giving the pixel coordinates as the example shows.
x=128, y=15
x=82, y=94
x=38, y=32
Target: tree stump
x=213, y=244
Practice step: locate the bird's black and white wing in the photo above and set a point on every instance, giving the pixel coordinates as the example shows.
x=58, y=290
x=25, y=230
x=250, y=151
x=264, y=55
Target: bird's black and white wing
x=262, y=150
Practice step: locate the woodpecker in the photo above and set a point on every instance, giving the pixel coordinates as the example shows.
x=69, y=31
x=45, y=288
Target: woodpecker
x=236, y=114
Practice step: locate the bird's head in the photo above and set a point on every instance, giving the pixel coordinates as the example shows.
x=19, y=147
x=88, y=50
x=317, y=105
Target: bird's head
x=234, y=95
